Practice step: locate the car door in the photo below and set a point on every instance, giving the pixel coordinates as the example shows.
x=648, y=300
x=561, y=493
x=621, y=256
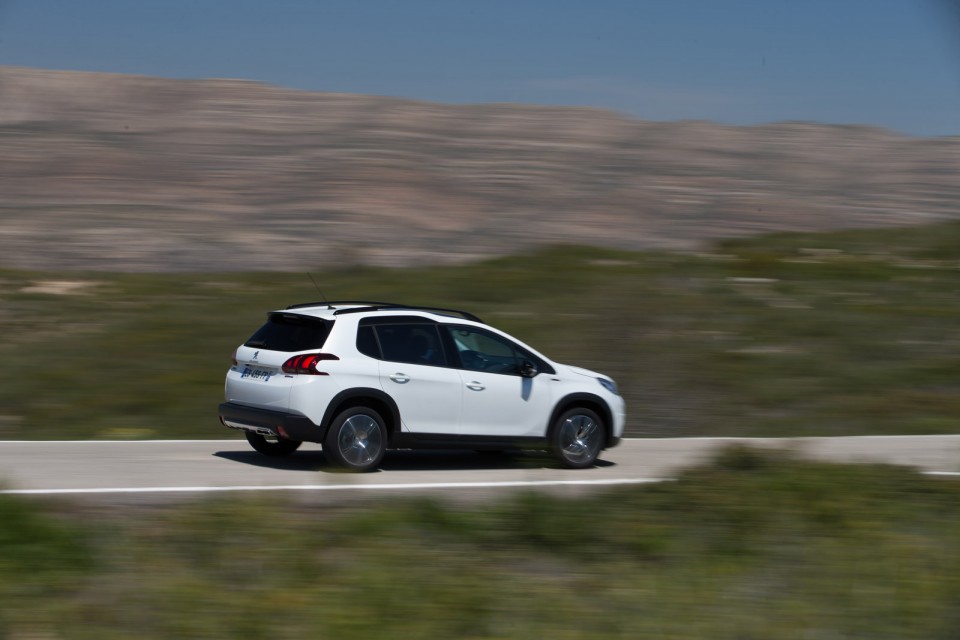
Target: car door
x=498, y=401
x=415, y=373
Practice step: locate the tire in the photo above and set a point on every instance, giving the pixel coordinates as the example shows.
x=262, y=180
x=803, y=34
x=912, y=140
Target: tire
x=276, y=447
x=356, y=439
x=577, y=437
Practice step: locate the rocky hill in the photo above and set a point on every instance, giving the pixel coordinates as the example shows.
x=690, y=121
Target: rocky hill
x=112, y=172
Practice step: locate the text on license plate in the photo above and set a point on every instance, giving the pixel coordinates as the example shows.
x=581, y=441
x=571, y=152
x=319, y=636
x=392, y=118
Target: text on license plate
x=257, y=374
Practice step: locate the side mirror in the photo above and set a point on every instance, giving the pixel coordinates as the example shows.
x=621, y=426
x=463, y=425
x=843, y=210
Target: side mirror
x=528, y=369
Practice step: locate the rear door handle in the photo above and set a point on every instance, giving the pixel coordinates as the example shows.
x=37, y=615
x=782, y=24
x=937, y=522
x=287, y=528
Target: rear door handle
x=400, y=378
x=475, y=386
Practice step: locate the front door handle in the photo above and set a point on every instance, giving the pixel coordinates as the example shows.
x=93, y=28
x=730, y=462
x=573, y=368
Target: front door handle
x=400, y=378
x=475, y=386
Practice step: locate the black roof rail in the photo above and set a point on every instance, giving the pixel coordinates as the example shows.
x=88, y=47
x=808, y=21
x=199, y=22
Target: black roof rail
x=333, y=303
x=466, y=315
x=383, y=306
x=369, y=305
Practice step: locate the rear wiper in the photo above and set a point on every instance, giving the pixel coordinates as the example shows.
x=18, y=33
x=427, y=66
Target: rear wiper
x=256, y=343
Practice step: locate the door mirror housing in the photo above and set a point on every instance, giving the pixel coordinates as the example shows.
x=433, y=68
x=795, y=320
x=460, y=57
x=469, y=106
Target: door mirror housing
x=528, y=369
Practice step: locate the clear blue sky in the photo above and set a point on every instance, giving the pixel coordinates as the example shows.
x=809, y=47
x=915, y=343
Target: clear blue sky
x=892, y=63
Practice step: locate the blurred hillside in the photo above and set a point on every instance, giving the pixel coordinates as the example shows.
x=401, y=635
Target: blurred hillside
x=111, y=172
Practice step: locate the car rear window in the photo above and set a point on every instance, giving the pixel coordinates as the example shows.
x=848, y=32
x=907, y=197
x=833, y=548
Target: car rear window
x=290, y=332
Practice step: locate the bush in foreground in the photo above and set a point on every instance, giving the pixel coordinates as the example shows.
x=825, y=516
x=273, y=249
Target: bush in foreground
x=754, y=544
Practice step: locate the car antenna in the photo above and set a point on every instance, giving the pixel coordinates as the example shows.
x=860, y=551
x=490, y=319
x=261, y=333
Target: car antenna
x=317, y=287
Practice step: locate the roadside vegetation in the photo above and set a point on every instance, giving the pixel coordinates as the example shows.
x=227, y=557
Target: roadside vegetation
x=797, y=334
x=753, y=544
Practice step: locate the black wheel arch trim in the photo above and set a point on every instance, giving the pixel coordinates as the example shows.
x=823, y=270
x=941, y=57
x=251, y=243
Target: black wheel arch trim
x=335, y=406
x=591, y=401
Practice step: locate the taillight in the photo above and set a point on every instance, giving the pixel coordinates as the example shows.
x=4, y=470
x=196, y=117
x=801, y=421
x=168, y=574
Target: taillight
x=306, y=363
x=233, y=358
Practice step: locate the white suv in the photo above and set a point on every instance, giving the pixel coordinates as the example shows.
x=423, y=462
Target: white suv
x=364, y=377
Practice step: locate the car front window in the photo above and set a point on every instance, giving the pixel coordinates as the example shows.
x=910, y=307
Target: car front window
x=483, y=351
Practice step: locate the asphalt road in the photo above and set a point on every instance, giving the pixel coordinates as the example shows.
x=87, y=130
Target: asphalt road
x=177, y=470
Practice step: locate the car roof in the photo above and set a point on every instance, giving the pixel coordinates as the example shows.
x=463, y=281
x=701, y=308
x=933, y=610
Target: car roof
x=329, y=310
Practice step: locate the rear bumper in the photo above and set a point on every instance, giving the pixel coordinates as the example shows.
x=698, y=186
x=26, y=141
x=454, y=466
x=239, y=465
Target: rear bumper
x=269, y=422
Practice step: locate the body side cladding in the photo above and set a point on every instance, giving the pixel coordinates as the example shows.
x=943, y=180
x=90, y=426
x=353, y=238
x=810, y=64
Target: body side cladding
x=454, y=441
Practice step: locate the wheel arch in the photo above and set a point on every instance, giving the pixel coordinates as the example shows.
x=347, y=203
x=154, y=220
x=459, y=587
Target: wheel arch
x=364, y=396
x=585, y=400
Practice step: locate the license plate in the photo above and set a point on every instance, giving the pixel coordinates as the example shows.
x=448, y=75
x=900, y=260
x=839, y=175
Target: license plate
x=263, y=375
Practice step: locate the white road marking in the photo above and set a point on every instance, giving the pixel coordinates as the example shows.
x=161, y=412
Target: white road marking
x=632, y=438
x=185, y=467
x=342, y=487
x=371, y=487
x=218, y=441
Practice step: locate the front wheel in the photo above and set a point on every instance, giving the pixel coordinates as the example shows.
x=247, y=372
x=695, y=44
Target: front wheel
x=273, y=446
x=578, y=437
x=356, y=440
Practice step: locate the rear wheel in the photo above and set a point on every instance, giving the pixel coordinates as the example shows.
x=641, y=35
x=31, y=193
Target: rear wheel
x=578, y=436
x=356, y=440
x=272, y=446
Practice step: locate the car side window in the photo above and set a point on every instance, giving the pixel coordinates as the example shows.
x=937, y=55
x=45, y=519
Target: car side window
x=367, y=342
x=483, y=351
x=413, y=343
